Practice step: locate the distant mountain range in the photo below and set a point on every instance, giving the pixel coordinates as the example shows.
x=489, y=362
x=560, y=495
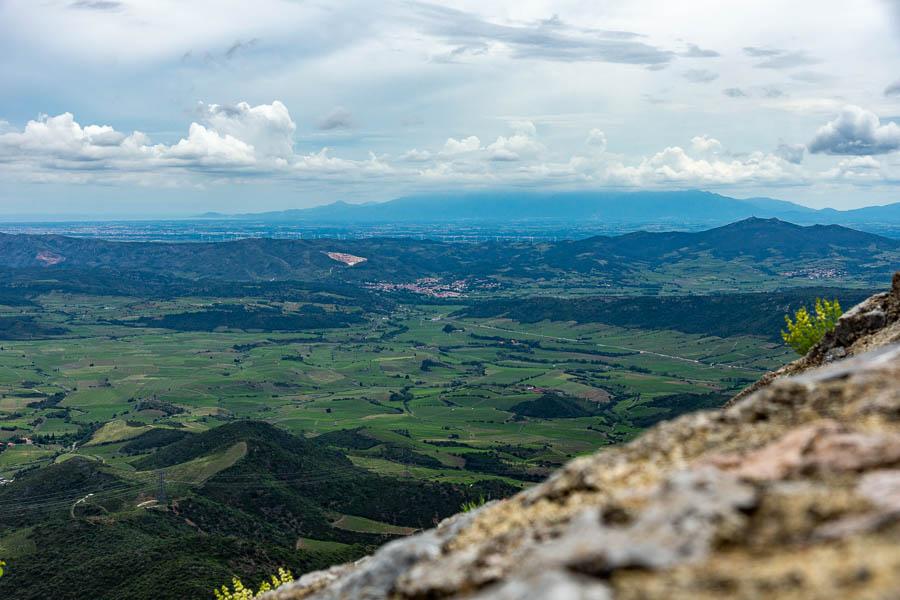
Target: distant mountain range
x=764, y=246
x=679, y=207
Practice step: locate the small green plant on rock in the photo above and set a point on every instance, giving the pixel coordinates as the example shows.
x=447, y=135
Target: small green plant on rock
x=806, y=329
x=239, y=592
x=467, y=506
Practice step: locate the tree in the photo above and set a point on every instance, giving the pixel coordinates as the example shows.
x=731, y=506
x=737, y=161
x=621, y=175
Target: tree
x=805, y=330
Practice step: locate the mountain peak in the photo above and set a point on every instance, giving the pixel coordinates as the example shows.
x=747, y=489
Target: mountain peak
x=757, y=222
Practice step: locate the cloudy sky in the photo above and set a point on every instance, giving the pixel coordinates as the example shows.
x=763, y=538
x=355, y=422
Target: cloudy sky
x=174, y=107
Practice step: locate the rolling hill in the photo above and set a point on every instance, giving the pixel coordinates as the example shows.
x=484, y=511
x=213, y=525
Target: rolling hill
x=246, y=515
x=769, y=243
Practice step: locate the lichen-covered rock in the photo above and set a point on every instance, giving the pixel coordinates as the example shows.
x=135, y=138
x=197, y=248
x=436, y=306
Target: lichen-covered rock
x=792, y=491
x=372, y=577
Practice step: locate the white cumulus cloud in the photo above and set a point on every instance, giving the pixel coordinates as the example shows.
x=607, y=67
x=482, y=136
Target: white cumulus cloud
x=267, y=127
x=521, y=144
x=455, y=146
x=416, y=155
x=237, y=137
x=62, y=138
x=674, y=166
x=597, y=139
x=856, y=131
x=207, y=147
x=703, y=144
x=240, y=142
x=860, y=162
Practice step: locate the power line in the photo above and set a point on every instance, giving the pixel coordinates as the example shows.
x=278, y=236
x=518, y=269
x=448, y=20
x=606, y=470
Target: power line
x=65, y=496
x=61, y=504
x=55, y=501
x=50, y=496
x=49, y=502
x=161, y=489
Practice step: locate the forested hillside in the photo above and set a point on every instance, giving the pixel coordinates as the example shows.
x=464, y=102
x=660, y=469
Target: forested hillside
x=772, y=246
x=717, y=314
x=263, y=492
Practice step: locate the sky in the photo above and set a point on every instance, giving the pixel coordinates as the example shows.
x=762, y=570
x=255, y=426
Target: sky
x=177, y=107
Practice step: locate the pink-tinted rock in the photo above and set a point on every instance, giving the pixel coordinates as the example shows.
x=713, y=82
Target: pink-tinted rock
x=819, y=448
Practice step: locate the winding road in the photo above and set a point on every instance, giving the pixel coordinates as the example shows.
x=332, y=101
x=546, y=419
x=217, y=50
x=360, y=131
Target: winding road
x=599, y=345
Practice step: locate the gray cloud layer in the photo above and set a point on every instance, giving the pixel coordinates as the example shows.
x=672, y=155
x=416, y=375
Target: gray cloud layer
x=758, y=52
x=239, y=46
x=700, y=76
x=337, y=118
x=811, y=77
x=549, y=39
x=793, y=153
x=788, y=60
x=695, y=51
x=96, y=5
x=776, y=58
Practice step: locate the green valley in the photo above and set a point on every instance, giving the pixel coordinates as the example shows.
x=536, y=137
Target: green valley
x=195, y=428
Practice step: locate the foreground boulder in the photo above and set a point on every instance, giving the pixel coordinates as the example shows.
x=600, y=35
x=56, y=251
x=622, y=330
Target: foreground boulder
x=792, y=491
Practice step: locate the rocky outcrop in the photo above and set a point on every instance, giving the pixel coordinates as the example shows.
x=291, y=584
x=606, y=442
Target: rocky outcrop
x=870, y=324
x=792, y=491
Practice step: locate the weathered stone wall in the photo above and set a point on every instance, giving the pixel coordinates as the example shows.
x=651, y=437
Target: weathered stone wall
x=792, y=491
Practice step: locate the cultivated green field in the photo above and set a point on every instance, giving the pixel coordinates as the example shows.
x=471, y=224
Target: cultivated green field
x=411, y=378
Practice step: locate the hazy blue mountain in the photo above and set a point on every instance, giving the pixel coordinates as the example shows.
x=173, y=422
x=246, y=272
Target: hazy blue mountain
x=890, y=212
x=676, y=207
x=780, y=206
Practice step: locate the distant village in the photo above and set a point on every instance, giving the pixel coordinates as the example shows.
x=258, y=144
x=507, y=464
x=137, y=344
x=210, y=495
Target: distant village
x=815, y=273
x=434, y=287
